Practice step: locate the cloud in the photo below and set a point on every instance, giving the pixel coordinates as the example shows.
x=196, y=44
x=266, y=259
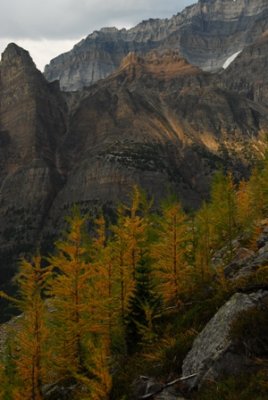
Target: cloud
x=70, y=19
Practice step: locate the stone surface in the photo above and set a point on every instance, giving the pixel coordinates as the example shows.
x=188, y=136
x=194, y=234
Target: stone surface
x=214, y=354
x=206, y=34
x=246, y=260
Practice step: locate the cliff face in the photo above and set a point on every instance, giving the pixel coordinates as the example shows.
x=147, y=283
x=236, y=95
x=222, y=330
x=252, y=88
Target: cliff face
x=206, y=34
x=247, y=74
x=31, y=126
x=159, y=122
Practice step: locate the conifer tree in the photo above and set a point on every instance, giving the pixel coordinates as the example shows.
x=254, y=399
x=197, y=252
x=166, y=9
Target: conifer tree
x=224, y=211
x=135, y=230
x=29, y=349
x=101, y=380
x=204, y=232
x=72, y=300
x=203, y=250
x=79, y=299
x=144, y=307
x=256, y=194
x=129, y=238
x=124, y=276
x=105, y=281
x=170, y=252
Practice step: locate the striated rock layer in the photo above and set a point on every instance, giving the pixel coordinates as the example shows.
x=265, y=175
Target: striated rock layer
x=206, y=34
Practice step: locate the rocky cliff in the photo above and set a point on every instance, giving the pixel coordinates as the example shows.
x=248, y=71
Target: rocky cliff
x=159, y=122
x=247, y=73
x=206, y=34
x=32, y=123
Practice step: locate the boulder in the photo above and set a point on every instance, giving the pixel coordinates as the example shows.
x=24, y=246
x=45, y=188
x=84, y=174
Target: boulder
x=214, y=353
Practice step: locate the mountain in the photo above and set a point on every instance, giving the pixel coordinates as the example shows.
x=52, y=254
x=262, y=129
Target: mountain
x=207, y=34
x=157, y=120
x=32, y=123
x=160, y=122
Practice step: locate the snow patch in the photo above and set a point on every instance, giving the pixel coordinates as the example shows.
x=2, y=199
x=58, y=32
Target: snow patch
x=230, y=59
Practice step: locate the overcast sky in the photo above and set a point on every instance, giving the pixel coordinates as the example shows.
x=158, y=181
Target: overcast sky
x=49, y=27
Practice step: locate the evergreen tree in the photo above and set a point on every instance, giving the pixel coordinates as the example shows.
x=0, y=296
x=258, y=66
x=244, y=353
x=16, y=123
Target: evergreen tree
x=224, y=210
x=203, y=250
x=144, y=307
x=129, y=238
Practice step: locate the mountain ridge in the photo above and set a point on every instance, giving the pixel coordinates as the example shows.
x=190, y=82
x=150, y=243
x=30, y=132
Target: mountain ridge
x=206, y=34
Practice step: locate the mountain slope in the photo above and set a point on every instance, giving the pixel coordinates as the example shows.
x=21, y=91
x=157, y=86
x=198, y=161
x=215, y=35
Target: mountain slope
x=158, y=122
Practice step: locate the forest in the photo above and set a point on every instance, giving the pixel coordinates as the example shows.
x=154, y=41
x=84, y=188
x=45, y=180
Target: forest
x=130, y=297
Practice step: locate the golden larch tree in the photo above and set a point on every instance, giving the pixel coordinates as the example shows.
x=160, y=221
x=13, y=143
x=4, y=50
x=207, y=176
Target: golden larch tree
x=29, y=350
x=77, y=300
x=170, y=252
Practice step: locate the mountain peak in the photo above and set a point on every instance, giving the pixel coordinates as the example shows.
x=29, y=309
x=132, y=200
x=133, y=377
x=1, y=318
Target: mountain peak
x=13, y=53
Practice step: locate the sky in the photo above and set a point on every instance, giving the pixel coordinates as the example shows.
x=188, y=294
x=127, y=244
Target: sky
x=47, y=28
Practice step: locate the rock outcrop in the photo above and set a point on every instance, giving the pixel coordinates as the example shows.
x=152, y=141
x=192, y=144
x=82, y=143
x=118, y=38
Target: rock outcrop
x=206, y=34
x=214, y=354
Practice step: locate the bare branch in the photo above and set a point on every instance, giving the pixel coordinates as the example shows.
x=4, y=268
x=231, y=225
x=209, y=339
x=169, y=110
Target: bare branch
x=183, y=378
